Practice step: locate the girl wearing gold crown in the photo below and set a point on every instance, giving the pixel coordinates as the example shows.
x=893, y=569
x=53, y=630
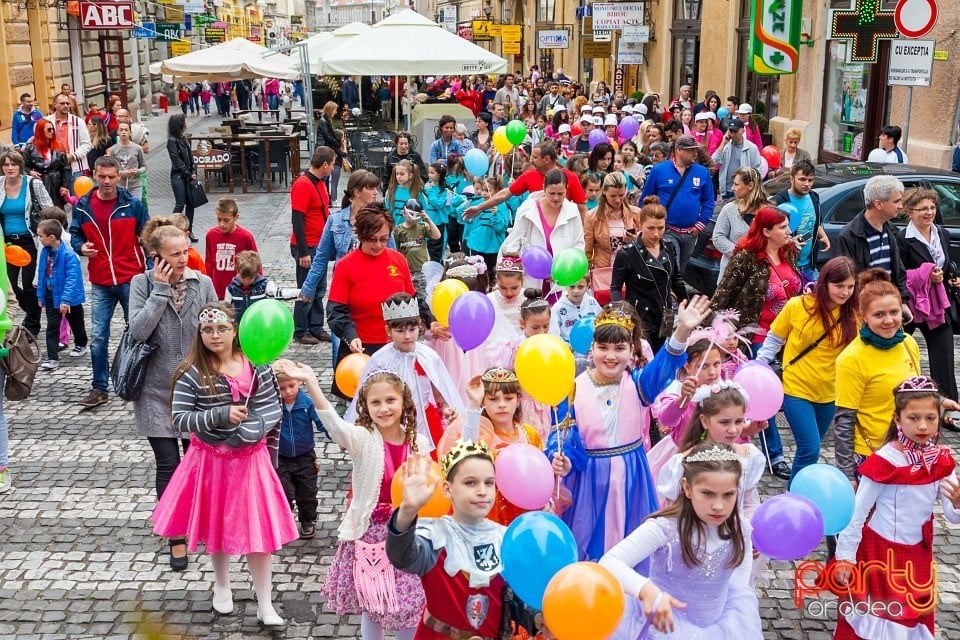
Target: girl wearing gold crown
x=360, y=579
x=458, y=556
x=495, y=417
x=611, y=487
x=699, y=555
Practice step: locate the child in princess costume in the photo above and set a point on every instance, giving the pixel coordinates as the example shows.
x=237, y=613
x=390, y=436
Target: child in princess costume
x=419, y=366
x=610, y=483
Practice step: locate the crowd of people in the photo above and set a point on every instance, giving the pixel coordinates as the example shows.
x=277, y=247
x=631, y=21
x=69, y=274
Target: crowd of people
x=656, y=472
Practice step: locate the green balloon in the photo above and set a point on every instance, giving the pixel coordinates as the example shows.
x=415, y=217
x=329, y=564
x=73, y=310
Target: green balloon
x=266, y=329
x=516, y=132
x=569, y=267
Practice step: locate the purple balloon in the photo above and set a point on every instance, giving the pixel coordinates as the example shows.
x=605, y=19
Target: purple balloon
x=471, y=319
x=537, y=262
x=787, y=527
x=596, y=137
x=629, y=127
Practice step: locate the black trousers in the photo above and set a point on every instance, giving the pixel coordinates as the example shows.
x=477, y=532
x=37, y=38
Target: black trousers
x=455, y=235
x=940, y=348
x=166, y=451
x=21, y=282
x=435, y=247
x=308, y=317
x=181, y=201
x=74, y=317
x=298, y=476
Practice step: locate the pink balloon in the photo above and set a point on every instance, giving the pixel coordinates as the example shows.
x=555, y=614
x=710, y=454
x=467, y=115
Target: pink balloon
x=524, y=476
x=764, y=389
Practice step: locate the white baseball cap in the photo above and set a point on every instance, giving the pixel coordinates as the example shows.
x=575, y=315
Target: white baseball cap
x=610, y=120
x=599, y=109
x=744, y=108
x=627, y=108
x=586, y=118
x=703, y=115
x=586, y=109
x=598, y=121
x=560, y=107
x=641, y=109
x=564, y=128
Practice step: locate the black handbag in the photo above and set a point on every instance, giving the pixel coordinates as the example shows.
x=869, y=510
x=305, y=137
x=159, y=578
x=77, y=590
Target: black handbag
x=129, y=366
x=196, y=196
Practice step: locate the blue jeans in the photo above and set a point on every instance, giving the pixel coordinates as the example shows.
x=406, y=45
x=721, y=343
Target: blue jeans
x=273, y=101
x=809, y=422
x=103, y=302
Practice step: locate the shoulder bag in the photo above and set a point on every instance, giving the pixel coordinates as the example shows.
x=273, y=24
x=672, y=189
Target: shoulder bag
x=130, y=362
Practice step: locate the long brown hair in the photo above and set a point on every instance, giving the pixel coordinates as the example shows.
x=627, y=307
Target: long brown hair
x=689, y=526
x=206, y=362
x=835, y=271
x=709, y=407
x=408, y=416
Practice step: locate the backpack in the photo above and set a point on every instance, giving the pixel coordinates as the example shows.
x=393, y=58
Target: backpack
x=21, y=363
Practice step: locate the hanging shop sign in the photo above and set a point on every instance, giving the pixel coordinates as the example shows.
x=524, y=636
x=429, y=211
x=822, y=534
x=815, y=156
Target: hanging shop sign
x=774, y=47
x=103, y=16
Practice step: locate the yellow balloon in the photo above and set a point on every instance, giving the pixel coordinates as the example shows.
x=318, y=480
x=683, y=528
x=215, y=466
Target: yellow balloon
x=545, y=367
x=443, y=298
x=500, y=142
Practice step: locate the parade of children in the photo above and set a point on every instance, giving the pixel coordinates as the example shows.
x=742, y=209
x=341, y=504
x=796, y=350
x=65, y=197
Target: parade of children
x=530, y=416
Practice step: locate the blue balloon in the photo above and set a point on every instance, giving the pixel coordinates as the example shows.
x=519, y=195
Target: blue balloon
x=476, y=162
x=830, y=490
x=723, y=112
x=535, y=547
x=581, y=335
x=792, y=213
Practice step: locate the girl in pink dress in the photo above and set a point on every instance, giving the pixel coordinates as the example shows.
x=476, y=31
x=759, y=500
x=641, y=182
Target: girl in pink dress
x=360, y=578
x=225, y=494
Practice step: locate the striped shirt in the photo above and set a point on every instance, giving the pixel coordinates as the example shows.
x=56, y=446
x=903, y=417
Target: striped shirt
x=879, y=244
x=196, y=410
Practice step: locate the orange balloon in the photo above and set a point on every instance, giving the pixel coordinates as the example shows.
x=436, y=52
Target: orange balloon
x=583, y=601
x=16, y=256
x=82, y=186
x=439, y=504
x=349, y=372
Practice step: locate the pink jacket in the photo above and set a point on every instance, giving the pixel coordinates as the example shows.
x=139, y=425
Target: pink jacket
x=668, y=412
x=928, y=301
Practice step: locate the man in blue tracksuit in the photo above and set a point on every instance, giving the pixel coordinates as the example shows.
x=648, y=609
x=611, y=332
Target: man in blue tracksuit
x=298, y=457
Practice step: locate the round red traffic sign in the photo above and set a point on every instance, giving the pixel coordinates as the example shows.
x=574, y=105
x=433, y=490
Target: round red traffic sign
x=915, y=18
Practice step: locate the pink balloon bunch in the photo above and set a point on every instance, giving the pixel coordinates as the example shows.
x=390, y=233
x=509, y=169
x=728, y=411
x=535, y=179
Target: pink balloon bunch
x=763, y=387
x=524, y=476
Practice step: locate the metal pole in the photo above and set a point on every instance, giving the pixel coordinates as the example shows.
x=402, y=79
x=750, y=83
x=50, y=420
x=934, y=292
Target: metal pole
x=307, y=93
x=906, y=121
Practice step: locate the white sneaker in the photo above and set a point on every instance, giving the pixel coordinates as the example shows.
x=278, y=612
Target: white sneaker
x=5, y=482
x=78, y=352
x=49, y=365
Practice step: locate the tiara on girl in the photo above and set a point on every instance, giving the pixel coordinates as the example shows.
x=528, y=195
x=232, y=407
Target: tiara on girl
x=214, y=315
x=463, y=271
x=463, y=449
x=713, y=454
x=705, y=391
x=400, y=310
x=512, y=264
x=477, y=262
x=918, y=384
x=499, y=374
x=616, y=316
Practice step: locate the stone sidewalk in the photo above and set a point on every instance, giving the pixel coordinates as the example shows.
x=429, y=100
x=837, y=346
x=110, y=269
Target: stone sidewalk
x=77, y=556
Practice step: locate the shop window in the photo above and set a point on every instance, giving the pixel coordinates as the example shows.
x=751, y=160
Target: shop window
x=545, y=11
x=686, y=45
x=845, y=103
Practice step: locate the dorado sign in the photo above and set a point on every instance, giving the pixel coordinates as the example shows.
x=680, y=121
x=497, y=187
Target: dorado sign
x=774, y=36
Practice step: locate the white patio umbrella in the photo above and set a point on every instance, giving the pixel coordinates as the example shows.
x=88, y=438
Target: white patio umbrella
x=407, y=43
x=235, y=59
x=323, y=43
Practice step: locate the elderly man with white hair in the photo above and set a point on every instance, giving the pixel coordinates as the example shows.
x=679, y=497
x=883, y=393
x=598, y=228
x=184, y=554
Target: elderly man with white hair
x=870, y=239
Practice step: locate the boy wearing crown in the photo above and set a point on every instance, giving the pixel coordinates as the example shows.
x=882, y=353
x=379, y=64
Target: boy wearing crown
x=458, y=556
x=419, y=366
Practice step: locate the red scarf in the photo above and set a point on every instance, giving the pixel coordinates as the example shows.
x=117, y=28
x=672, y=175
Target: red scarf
x=919, y=455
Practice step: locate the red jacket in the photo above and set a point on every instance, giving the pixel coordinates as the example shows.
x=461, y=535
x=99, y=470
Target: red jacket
x=471, y=100
x=119, y=255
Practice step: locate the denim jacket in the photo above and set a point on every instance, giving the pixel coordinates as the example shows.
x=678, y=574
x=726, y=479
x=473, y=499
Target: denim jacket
x=335, y=242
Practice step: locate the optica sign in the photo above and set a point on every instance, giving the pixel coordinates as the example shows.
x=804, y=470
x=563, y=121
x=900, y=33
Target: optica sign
x=774, y=47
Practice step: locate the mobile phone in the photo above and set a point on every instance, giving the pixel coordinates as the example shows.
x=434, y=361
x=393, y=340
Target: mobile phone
x=953, y=415
x=803, y=237
x=632, y=231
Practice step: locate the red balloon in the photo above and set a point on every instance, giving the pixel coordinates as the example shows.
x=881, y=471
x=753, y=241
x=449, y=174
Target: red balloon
x=575, y=129
x=772, y=154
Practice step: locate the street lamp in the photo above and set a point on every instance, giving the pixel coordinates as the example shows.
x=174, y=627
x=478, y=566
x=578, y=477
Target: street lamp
x=488, y=8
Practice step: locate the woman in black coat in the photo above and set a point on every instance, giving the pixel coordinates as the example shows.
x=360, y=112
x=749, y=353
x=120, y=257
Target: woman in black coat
x=651, y=272
x=182, y=169
x=403, y=150
x=47, y=161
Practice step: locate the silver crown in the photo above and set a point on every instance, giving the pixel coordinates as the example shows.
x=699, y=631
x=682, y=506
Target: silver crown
x=714, y=454
x=400, y=310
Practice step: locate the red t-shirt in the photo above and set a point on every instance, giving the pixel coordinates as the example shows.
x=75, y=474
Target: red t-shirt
x=308, y=195
x=531, y=181
x=221, y=255
x=363, y=283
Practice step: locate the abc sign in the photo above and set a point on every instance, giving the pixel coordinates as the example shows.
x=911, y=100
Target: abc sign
x=100, y=16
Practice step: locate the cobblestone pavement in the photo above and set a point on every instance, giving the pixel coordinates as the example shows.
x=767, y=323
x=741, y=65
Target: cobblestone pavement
x=77, y=556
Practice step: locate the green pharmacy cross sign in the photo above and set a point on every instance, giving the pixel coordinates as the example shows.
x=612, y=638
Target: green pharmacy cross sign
x=774, y=47
x=866, y=26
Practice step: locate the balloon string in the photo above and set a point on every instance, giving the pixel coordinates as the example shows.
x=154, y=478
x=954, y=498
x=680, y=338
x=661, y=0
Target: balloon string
x=253, y=379
x=649, y=620
x=763, y=436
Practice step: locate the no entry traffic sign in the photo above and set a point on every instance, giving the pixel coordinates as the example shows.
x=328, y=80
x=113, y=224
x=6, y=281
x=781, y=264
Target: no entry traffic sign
x=915, y=18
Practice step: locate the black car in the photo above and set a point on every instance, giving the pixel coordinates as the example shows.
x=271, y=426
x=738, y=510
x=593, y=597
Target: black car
x=841, y=198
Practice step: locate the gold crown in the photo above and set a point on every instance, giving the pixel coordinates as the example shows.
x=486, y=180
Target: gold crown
x=463, y=449
x=615, y=316
x=400, y=310
x=499, y=374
